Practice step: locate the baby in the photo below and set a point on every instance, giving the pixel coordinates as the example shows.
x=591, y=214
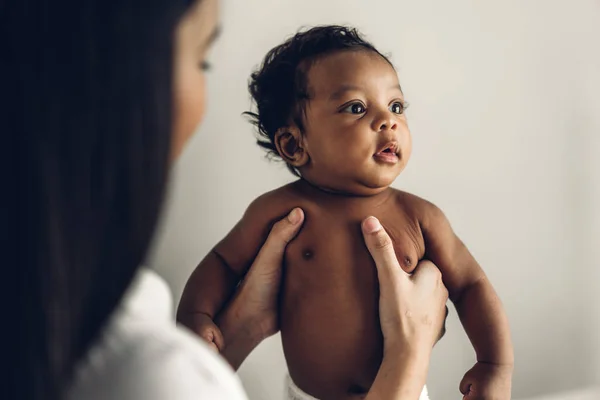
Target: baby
x=331, y=106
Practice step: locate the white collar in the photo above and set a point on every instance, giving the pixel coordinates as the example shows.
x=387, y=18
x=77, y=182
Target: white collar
x=148, y=298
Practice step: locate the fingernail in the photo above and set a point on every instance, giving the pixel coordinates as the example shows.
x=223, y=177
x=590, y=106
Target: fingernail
x=294, y=216
x=371, y=225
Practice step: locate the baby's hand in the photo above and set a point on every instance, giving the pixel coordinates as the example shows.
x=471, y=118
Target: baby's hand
x=487, y=381
x=203, y=326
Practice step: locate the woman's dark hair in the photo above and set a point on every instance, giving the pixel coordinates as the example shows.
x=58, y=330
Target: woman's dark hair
x=86, y=104
x=279, y=87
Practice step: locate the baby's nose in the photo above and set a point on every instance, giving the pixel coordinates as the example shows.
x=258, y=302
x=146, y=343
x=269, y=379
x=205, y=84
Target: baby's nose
x=385, y=122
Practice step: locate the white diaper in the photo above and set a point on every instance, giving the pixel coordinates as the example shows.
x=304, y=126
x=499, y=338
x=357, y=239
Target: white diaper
x=293, y=392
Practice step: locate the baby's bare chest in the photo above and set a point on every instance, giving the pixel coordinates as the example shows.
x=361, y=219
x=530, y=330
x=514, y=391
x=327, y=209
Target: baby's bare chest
x=331, y=248
x=330, y=297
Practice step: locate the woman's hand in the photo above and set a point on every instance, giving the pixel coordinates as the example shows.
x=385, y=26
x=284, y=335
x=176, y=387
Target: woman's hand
x=412, y=310
x=412, y=307
x=252, y=314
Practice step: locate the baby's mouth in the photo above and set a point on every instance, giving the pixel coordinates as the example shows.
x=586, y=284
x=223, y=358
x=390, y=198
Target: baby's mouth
x=388, y=153
x=387, y=156
x=388, y=148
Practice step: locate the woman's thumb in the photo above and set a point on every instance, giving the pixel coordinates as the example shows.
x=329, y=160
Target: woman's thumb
x=426, y=271
x=382, y=250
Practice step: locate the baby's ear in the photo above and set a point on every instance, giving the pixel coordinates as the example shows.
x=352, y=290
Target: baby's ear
x=290, y=147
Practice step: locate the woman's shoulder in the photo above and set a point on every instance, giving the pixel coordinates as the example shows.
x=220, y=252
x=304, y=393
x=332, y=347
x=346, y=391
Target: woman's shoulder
x=142, y=354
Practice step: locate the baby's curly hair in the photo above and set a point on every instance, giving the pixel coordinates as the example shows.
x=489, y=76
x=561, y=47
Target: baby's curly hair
x=280, y=86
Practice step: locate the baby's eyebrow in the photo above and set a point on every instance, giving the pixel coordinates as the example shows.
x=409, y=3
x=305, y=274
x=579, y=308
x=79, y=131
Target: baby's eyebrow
x=343, y=89
x=353, y=88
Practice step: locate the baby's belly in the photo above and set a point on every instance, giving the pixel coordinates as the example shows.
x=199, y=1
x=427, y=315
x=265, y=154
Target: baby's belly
x=329, y=318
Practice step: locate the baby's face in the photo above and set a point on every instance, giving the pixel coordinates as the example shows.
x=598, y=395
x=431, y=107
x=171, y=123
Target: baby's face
x=356, y=133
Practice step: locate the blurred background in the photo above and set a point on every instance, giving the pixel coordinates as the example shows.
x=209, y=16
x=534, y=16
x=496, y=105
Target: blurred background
x=505, y=117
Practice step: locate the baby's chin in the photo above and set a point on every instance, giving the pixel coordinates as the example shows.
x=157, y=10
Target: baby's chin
x=367, y=183
x=380, y=181
x=366, y=187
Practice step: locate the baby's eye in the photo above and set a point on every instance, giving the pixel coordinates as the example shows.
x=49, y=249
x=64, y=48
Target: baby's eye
x=397, y=107
x=355, y=108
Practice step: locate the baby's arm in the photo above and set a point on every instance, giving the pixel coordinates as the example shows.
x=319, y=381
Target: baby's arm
x=216, y=277
x=476, y=302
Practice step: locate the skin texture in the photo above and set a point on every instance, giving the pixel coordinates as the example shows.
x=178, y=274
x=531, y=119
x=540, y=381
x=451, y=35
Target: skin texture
x=329, y=302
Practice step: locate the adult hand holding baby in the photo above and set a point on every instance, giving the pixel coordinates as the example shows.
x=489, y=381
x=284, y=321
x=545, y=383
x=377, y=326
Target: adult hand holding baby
x=251, y=315
x=412, y=313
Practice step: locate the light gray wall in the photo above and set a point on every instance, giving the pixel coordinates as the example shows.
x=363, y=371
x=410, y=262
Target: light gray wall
x=504, y=115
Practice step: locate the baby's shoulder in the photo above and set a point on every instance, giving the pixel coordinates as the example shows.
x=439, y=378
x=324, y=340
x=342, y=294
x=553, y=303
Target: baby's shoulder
x=250, y=232
x=272, y=205
x=274, y=200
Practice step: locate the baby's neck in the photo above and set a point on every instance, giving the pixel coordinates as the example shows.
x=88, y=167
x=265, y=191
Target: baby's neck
x=329, y=194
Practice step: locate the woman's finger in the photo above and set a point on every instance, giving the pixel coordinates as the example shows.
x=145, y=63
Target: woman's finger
x=382, y=250
x=427, y=274
x=214, y=347
x=218, y=340
x=281, y=234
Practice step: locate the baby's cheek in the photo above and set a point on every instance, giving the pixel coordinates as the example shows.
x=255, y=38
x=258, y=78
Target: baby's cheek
x=407, y=148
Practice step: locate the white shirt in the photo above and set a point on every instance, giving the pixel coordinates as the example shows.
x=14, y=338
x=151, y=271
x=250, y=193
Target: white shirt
x=142, y=354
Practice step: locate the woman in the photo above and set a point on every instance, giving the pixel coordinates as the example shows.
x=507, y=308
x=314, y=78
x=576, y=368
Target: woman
x=100, y=98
